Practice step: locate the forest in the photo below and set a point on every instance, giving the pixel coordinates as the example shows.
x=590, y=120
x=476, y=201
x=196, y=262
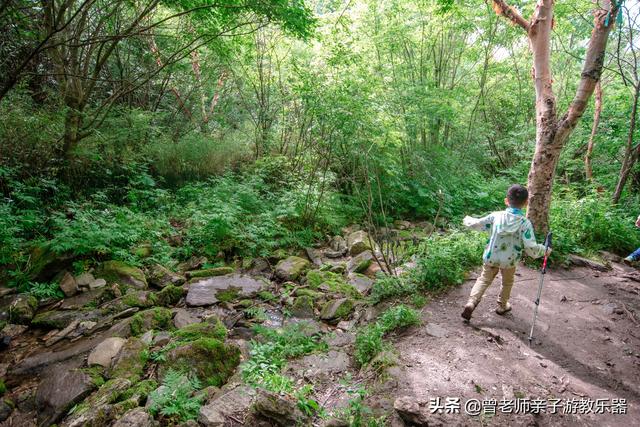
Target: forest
x=250, y=212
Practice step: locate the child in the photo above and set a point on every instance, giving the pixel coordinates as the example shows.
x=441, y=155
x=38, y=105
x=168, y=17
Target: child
x=634, y=257
x=511, y=233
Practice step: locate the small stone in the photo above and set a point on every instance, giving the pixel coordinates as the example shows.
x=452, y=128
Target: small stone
x=279, y=410
x=362, y=283
x=22, y=309
x=336, y=309
x=358, y=242
x=105, y=352
x=136, y=417
x=233, y=403
x=360, y=262
x=5, y=410
x=292, y=268
x=161, y=277
x=162, y=338
x=68, y=285
x=147, y=337
x=10, y=330
x=84, y=280
x=97, y=284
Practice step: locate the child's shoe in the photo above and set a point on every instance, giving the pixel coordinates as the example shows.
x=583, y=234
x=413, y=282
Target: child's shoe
x=629, y=261
x=503, y=309
x=468, y=310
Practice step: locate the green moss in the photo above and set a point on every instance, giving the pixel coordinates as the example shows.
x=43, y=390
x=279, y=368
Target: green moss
x=155, y=318
x=212, y=328
x=266, y=296
x=118, y=272
x=22, y=309
x=135, y=299
x=3, y=387
x=95, y=372
x=141, y=390
x=211, y=272
x=228, y=295
x=308, y=293
x=363, y=265
x=334, y=282
x=245, y=303
x=169, y=295
x=131, y=360
x=211, y=360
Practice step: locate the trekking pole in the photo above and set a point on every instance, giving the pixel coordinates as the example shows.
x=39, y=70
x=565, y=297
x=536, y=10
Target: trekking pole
x=547, y=245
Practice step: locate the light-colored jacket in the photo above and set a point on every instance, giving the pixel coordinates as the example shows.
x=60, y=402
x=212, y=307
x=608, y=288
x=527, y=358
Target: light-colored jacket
x=511, y=234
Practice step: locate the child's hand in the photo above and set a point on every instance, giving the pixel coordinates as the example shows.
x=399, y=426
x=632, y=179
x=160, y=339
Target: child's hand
x=468, y=221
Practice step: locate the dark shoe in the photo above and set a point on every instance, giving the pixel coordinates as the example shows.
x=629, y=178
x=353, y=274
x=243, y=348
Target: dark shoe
x=468, y=310
x=503, y=309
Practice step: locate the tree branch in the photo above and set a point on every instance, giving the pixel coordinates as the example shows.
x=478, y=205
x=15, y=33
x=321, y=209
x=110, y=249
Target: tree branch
x=503, y=9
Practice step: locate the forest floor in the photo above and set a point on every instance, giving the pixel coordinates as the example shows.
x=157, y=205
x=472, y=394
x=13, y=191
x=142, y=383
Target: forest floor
x=585, y=356
x=586, y=347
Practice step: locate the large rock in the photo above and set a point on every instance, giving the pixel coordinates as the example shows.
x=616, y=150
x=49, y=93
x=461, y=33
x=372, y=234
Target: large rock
x=22, y=309
x=292, y=268
x=321, y=365
x=209, y=272
x=210, y=359
x=160, y=277
x=136, y=417
x=223, y=288
x=358, y=242
x=124, y=274
x=155, y=318
x=360, y=262
x=277, y=409
x=361, y=282
x=59, y=390
x=68, y=285
x=60, y=319
x=99, y=409
x=411, y=411
x=336, y=309
x=129, y=362
x=302, y=307
x=85, y=279
x=105, y=352
x=232, y=403
x=183, y=318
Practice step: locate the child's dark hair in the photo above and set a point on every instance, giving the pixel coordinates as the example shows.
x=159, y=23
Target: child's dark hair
x=517, y=195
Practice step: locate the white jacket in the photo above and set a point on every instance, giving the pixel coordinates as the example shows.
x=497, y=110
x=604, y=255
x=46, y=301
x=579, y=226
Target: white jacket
x=511, y=233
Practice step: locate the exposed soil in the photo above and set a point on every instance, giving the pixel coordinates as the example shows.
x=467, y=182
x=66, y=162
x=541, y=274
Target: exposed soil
x=586, y=346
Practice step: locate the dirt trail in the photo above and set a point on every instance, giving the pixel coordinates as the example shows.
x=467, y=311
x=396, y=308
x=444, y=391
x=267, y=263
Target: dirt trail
x=586, y=346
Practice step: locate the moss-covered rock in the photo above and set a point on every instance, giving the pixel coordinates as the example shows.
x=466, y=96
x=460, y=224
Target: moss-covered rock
x=330, y=282
x=292, y=268
x=120, y=272
x=154, y=318
x=130, y=361
x=335, y=310
x=210, y=359
x=170, y=295
x=361, y=262
x=142, y=251
x=160, y=277
x=140, y=299
x=315, y=295
x=60, y=319
x=302, y=307
x=22, y=309
x=210, y=272
x=211, y=328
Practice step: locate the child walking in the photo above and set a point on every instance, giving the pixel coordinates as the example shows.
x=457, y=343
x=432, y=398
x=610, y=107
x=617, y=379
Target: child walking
x=511, y=234
x=635, y=256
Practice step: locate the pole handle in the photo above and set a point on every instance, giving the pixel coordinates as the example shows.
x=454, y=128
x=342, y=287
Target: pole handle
x=547, y=240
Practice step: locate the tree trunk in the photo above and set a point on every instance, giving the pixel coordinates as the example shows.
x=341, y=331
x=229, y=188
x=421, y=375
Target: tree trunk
x=596, y=121
x=631, y=153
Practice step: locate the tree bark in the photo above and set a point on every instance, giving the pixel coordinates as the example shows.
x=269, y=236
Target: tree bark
x=588, y=169
x=631, y=153
x=551, y=131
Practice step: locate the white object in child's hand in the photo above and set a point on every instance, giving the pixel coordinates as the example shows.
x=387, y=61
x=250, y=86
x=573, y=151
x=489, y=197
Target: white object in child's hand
x=468, y=221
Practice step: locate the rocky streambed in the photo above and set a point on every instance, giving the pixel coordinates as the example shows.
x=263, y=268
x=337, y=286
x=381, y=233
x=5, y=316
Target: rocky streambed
x=100, y=355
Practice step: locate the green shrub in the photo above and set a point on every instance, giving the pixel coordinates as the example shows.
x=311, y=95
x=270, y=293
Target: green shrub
x=369, y=340
x=177, y=399
x=444, y=260
x=387, y=286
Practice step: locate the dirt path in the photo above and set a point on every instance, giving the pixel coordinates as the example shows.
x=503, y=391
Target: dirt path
x=586, y=346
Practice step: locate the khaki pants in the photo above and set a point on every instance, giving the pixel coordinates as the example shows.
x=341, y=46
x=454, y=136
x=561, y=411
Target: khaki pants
x=486, y=278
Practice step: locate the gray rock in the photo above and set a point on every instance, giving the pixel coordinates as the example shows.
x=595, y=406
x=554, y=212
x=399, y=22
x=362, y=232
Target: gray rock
x=279, y=410
x=68, y=285
x=361, y=282
x=360, y=262
x=97, y=284
x=303, y=307
x=193, y=263
x=358, y=242
x=147, y=337
x=183, y=318
x=123, y=274
x=336, y=309
x=315, y=255
x=203, y=291
x=321, y=365
x=80, y=300
x=128, y=363
x=235, y=403
x=84, y=280
x=59, y=390
x=162, y=338
x=22, y=309
x=5, y=410
x=411, y=411
x=338, y=244
x=292, y=268
x=105, y=352
x=341, y=339
x=60, y=319
x=136, y=417
x=160, y=277
x=10, y=330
